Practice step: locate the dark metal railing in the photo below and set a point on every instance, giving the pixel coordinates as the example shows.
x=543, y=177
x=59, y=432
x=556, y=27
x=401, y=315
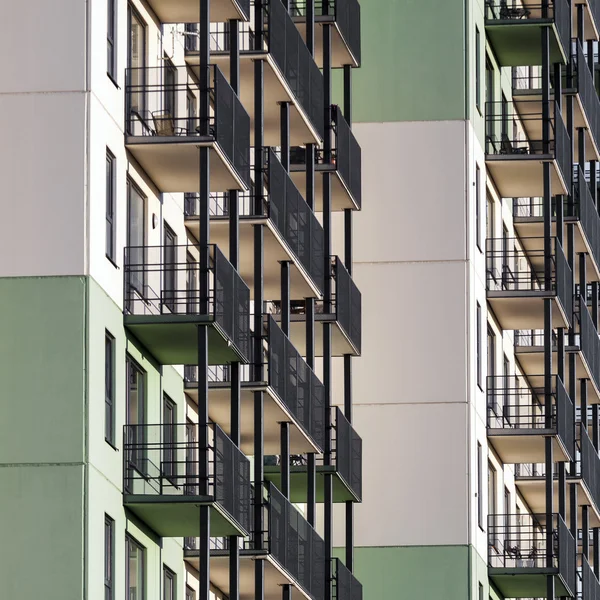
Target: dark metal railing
x=160, y=280
x=499, y=142
x=586, y=211
x=345, y=585
x=285, y=207
x=347, y=452
x=164, y=460
x=587, y=90
x=589, y=465
x=520, y=542
x=296, y=383
x=516, y=407
x=557, y=11
x=589, y=341
x=590, y=586
x=161, y=107
x=512, y=269
x=347, y=303
x=345, y=13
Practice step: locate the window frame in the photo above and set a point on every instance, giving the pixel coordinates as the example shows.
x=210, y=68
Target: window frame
x=111, y=197
x=109, y=557
x=478, y=236
x=478, y=69
x=129, y=542
x=169, y=575
x=478, y=347
x=190, y=593
x=109, y=388
x=480, y=486
x=111, y=40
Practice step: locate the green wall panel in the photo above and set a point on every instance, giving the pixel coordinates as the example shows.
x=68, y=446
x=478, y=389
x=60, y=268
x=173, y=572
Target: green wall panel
x=413, y=61
x=42, y=369
x=41, y=532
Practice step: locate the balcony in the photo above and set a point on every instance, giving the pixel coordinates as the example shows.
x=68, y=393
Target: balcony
x=162, y=483
x=164, y=130
x=346, y=466
x=518, y=561
x=291, y=550
x=188, y=11
x=589, y=342
x=527, y=98
x=515, y=160
x=529, y=352
x=515, y=32
x=292, y=232
x=290, y=74
x=344, y=15
x=344, y=162
x=590, y=586
x=517, y=284
x=579, y=210
x=293, y=393
x=344, y=312
x=518, y=423
x=345, y=585
x=163, y=307
x=584, y=472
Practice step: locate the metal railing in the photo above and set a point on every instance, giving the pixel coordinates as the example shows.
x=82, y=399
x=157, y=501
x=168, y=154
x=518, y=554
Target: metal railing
x=499, y=142
x=164, y=460
x=347, y=302
x=159, y=106
x=590, y=586
x=557, y=11
x=345, y=585
x=283, y=41
x=589, y=341
x=512, y=269
x=164, y=280
x=520, y=542
x=589, y=465
x=345, y=13
x=586, y=90
x=586, y=211
x=295, y=383
x=285, y=207
x=347, y=452
x=512, y=406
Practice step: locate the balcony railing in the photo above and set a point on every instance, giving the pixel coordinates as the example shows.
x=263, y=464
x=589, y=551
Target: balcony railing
x=164, y=280
x=515, y=408
x=345, y=13
x=590, y=586
x=499, y=118
x=589, y=341
x=499, y=12
x=586, y=90
x=285, y=207
x=587, y=213
x=347, y=452
x=589, y=465
x=347, y=303
x=511, y=269
x=520, y=542
x=163, y=109
x=345, y=585
x=287, y=373
x=282, y=40
x=164, y=460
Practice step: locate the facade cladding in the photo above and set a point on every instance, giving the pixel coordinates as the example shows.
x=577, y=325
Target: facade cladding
x=187, y=327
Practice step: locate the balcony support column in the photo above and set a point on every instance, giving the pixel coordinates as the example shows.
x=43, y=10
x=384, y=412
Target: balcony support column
x=595, y=427
x=595, y=300
x=562, y=490
x=584, y=403
x=311, y=479
x=583, y=277
x=310, y=176
x=585, y=531
x=285, y=297
x=550, y=586
x=560, y=354
x=204, y=553
x=285, y=459
x=590, y=59
x=573, y=509
x=596, y=540
x=581, y=24
x=284, y=113
x=310, y=26
x=581, y=148
x=547, y=181
x=594, y=182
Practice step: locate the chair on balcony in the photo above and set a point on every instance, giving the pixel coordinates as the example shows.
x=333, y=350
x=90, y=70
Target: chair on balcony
x=513, y=13
x=507, y=147
x=164, y=124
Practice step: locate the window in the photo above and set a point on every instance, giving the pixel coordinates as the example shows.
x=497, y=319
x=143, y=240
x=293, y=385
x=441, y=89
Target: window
x=136, y=237
x=170, y=268
x=480, y=485
x=135, y=416
x=190, y=594
x=490, y=97
x=489, y=219
x=491, y=353
x=191, y=285
x=477, y=69
x=191, y=472
x=508, y=387
x=136, y=60
x=170, y=83
x=109, y=388
x=478, y=345
x=191, y=37
x=492, y=495
x=111, y=188
x=134, y=569
x=109, y=558
x=481, y=591
x=111, y=37
x=168, y=584
x=169, y=438
x=192, y=112
x=478, y=206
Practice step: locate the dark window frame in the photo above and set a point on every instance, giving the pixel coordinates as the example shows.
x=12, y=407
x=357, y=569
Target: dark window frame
x=170, y=578
x=480, y=486
x=169, y=409
x=111, y=40
x=493, y=497
x=477, y=69
x=129, y=542
x=109, y=557
x=109, y=387
x=170, y=88
x=111, y=197
x=170, y=270
x=478, y=207
x=136, y=460
x=478, y=347
x=190, y=593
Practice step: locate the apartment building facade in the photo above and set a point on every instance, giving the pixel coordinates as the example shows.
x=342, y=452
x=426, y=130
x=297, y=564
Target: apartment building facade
x=479, y=128
x=173, y=310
